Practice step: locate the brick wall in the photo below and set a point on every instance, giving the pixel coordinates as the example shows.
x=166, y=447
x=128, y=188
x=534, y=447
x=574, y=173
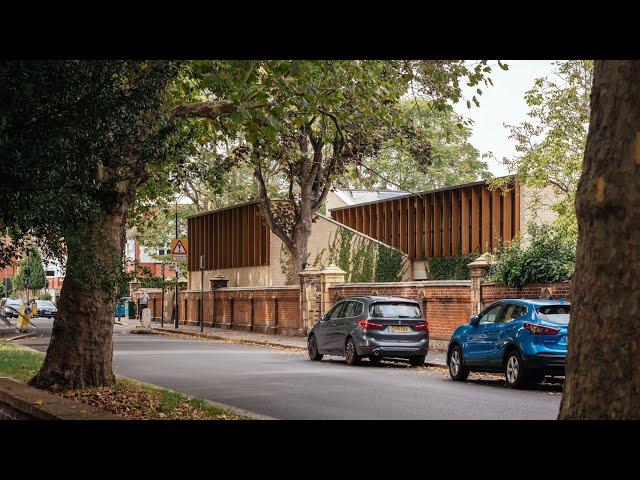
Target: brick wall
x=276, y=310
x=490, y=292
x=446, y=303
x=273, y=310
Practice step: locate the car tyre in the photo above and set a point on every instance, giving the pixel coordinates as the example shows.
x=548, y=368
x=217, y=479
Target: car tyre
x=417, y=361
x=312, y=347
x=350, y=353
x=515, y=374
x=457, y=369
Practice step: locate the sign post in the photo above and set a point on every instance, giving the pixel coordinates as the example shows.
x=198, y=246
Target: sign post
x=201, y=312
x=179, y=250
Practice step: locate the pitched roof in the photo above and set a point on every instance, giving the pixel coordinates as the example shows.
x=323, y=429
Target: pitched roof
x=354, y=197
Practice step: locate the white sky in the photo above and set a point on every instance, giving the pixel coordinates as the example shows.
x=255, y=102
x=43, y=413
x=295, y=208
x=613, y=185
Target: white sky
x=502, y=103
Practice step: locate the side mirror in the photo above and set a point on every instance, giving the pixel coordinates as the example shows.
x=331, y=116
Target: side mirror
x=474, y=320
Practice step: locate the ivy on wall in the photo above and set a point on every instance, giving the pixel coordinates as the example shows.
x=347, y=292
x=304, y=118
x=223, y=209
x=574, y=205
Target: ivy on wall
x=286, y=265
x=363, y=260
x=390, y=266
x=353, y=254
x=450, y=268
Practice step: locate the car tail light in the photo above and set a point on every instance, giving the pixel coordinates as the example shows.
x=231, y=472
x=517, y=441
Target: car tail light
x=367, y=325
x=421, y=327
x=540, y=329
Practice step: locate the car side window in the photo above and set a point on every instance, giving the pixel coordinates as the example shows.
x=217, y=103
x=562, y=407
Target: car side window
x=490, y=315
x=349, y=310
x=335, y=311
x=512, y=312
x=358, y=309
x=507, y=313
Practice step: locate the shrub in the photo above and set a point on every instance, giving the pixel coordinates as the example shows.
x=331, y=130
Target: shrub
x=550, y=258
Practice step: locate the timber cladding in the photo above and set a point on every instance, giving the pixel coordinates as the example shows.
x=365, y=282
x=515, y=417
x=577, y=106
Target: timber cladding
x=440, y=223
x=228, y=238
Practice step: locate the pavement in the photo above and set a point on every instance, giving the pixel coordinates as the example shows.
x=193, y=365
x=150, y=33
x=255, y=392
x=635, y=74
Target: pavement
x=281, y=382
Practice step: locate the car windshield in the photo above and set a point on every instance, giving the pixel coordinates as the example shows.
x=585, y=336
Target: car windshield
x=44, y=303
x=395, y=310
x=14, y=302
x=558, y=314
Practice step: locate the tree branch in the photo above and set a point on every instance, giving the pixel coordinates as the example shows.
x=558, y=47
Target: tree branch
x=209, y=110
x=266, y=207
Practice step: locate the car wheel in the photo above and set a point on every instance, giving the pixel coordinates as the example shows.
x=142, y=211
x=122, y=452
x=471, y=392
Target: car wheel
x=457, y=370
x=350, y=353
x=514, y=372
x=312, y=347
x=417, y=361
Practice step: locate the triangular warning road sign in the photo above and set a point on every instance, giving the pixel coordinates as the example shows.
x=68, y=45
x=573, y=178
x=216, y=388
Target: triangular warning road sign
x=179, y=249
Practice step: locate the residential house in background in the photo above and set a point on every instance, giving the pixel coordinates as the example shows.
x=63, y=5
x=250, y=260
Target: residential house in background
x=6, y=273
x=54, y=275
x=143, y=256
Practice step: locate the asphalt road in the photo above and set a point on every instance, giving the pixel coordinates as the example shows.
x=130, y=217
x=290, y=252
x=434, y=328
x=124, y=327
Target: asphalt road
x=285, y=384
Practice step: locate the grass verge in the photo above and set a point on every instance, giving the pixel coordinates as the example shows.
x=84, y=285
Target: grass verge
x=128, y=398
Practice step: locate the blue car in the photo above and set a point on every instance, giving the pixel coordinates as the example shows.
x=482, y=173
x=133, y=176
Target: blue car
x=525, y=339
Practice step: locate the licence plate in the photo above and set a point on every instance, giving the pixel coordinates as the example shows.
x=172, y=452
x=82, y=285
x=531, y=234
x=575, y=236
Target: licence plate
x=398, y=329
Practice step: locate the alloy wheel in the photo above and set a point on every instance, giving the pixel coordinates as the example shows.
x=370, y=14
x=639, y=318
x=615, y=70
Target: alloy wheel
x=350, y=351
x=454, y=362
x=513, y=369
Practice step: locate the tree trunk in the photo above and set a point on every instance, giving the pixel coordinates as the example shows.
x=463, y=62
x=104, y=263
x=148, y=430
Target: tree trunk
x=80, y=351
x=299, y=253
x=603, y=365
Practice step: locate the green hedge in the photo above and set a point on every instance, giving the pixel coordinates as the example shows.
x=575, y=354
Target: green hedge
x=450, y=268
x=550, y=258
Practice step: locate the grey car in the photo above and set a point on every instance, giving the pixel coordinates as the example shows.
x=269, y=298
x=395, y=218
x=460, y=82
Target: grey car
x=11, y=307
x=373, y=328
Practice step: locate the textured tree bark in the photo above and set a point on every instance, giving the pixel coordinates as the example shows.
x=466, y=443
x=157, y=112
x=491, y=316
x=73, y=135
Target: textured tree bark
x=299, y=252
x=603, y=365
x=81, y=349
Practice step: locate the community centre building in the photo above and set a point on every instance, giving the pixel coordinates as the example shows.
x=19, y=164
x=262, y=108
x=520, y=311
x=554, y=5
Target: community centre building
x=457, y=220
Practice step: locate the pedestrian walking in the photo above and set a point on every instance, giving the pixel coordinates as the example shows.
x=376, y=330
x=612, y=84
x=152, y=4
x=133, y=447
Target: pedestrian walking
x=143, y=300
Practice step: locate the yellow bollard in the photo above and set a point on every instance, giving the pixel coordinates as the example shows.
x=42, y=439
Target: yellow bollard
x=24, y=314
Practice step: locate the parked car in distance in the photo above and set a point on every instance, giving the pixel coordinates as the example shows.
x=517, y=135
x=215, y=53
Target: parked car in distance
x=373, y=328
x=46, y=308
x=525, y=339
x=12, y=306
